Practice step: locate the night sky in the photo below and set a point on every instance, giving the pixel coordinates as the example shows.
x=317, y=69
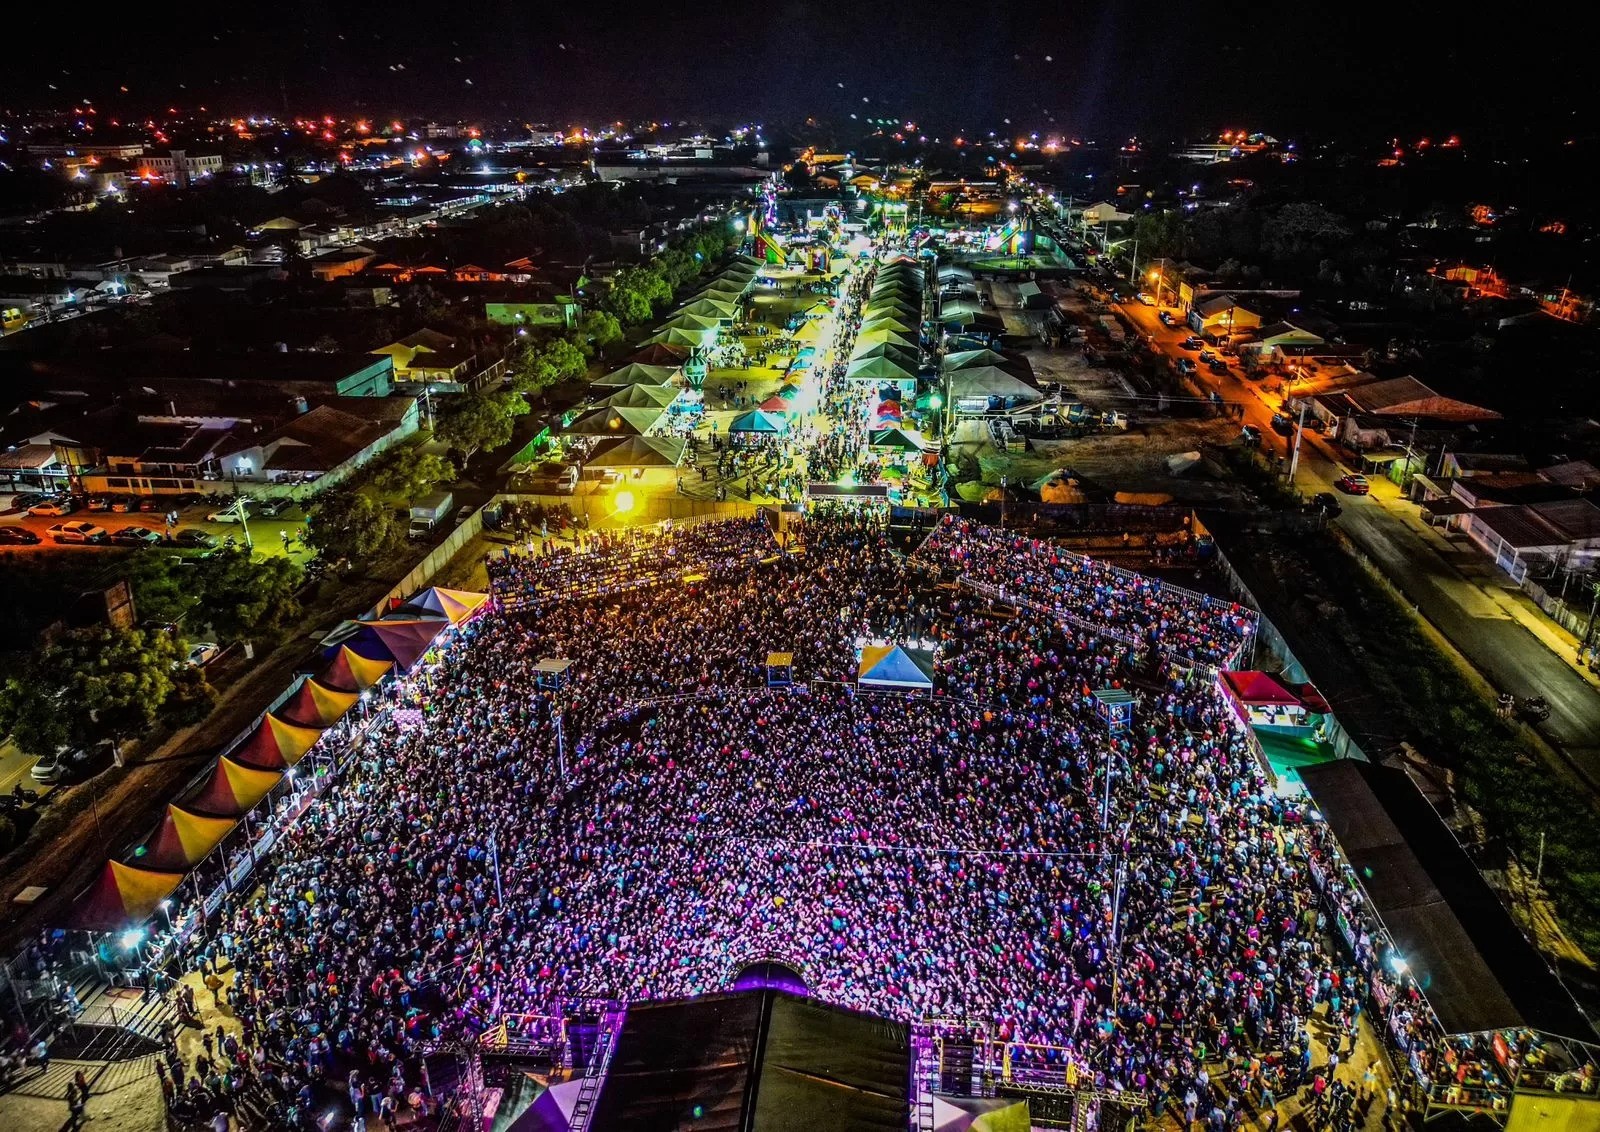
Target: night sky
x=1101, y=69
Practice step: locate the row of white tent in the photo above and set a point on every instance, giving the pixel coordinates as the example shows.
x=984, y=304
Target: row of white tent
x=889, y=344
x=629, y=403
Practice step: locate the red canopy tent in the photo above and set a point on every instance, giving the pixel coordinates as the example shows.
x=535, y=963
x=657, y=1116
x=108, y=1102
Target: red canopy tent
x=275, y=745
x=122, y=897
x=183, y=840
x=351, y=672
x=232, y=789
x=316, y=705
x=1257, y=689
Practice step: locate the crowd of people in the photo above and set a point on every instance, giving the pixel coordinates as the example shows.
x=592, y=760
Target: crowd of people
x=953, y=855
x=1175, y=621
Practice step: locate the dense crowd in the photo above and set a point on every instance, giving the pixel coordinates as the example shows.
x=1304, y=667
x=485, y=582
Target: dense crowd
x=952, y=855
x=1174, y=621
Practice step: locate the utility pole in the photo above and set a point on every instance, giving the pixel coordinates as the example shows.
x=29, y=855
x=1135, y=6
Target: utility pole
x=1299, y=431
x=240, y=510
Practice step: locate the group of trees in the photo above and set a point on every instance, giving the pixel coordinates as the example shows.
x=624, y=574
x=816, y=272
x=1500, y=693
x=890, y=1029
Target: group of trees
x=88, y=686
x=481, y=422
x=636, y=290
x=83, y=686
x=1251, y=238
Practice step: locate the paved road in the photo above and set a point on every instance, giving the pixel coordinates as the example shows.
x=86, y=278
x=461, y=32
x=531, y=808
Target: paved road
x=1451, y=582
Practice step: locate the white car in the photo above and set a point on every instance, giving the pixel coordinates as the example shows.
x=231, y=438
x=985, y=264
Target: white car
x=230, y=514
x=54, y=507
x=203, y=653
x=50, y=769
x=79, y=531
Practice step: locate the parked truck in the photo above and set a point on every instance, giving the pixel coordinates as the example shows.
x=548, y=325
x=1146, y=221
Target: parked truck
x=428, y=512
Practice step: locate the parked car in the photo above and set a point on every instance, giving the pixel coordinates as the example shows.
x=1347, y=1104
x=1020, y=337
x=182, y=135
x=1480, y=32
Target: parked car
x=195, y=538
x=1250, y=435
x=149, y=503
x=1283, y=425
x=18, y=536
x=135, y=536
x=24, y=500
x=203, y=652
x=53, y=507
x=1192, y=342
x=1166, y=318
x=1353, y=484
x=1326, y=502
x=1186, y=366
x=235, y=512
x=50, y=769
x=1217, y=366
x=272, y=508
x=79, y=531
x=1146, y=298
x=122, y=505
x=53, y=768
x=98, y=503
x=1207, y=356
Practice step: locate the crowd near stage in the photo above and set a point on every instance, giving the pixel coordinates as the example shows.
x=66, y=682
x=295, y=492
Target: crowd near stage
x=978, y=802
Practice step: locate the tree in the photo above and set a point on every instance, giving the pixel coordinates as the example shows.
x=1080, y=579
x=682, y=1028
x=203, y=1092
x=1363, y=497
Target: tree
x=597, y=332
x=408, y=471
x=1301, y=230
x=347, y=525
x=481, y=422
x=630, y=307
x=88, y=685
x=635, y=291
x=36, y=721
x=163, y=585
x=248, y=597
x=122, y=679
x=548, y=363
x=677, y=266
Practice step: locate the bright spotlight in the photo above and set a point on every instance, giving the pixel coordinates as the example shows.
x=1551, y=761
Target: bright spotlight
x=624, y=502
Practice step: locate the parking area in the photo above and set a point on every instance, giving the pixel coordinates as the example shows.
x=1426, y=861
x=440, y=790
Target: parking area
x=29, y=522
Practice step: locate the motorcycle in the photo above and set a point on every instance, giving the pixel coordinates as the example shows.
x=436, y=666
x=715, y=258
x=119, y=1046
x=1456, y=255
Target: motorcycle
x=1535, y=709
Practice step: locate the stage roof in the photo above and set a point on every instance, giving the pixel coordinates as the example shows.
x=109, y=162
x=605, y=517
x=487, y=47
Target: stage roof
x=1260, y=689
x=1474, y=966
x=895, y=666
x=755, y=1061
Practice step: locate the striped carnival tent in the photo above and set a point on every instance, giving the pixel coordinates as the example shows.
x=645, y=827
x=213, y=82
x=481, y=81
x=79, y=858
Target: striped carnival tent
x=183, y=840
x=316, y=705
x=231, y=789
x=401, y=641
x=349, y=671
x=436, y=601
x=123, y=896
x=275, y=744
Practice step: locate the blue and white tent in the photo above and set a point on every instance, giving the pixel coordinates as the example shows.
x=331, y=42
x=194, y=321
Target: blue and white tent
x=895, y=666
